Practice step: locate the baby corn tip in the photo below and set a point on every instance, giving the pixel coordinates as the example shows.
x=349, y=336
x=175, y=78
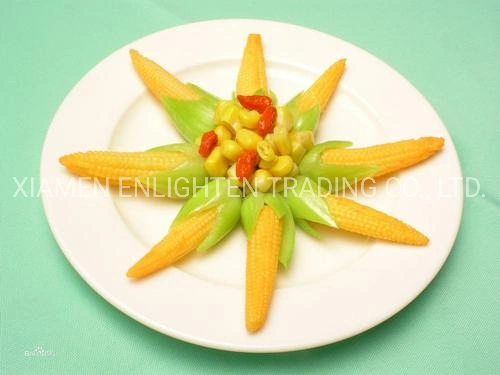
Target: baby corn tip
x=254, y=326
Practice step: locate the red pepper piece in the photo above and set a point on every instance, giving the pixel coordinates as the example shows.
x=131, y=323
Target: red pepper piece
x=266, y=121
x=208, y=143
x=255, y=102
x=246, y=164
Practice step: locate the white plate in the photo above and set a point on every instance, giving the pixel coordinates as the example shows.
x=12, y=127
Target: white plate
x=336, y=287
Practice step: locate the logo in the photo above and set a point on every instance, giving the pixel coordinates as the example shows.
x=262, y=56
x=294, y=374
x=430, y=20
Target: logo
x=39, y=351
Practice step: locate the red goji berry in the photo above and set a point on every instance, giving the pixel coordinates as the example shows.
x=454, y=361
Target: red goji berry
x=208, y=142
x=266, y=121
x=246, y=163
x=255, y=102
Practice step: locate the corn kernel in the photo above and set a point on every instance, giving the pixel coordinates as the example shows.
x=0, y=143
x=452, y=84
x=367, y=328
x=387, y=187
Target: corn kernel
x=237, y=127
x=231, y=150
x=264, y=164
x=232, y=177
x=269, y=138
x=298, y=152
x=229, y=127
x=219, y=109
x=226, y=111
x=222, y=133
x=262, y=180
x=284, y=118
x=215, y=164
x=282, y=167
x=249, y=119
x=281, y=140
x=265, y=151
x=304, y=137
x=248, y=139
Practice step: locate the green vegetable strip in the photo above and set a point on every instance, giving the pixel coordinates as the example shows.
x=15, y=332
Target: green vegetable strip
x=192, y=118
x=332, y=177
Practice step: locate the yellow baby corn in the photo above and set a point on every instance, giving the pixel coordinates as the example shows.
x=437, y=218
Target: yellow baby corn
x=389, y=157
x=263, y=251
x=322, y=90
x=252, y=74
x=182, y=239
x=125, y=165
x=354, y=217
x=159, y=81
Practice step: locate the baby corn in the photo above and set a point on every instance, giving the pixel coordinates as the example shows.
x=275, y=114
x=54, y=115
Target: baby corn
x=389, y=157
x=182, y=239
x=262, y=265
x=121, y=167
x=159, y=81
x=322, y=90
x=252, y=74
x=354, y=217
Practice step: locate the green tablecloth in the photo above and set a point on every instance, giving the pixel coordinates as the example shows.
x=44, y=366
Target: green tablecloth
x=450, y=50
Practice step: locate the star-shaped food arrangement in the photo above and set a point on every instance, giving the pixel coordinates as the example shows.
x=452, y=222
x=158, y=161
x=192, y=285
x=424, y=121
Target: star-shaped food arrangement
x=267, y=172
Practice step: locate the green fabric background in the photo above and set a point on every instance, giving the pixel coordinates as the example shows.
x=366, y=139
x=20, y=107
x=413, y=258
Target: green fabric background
x=450, y=50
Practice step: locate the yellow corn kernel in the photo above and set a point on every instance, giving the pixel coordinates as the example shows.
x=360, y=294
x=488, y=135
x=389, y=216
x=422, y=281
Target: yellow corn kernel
x=223, y=133
x=265, y=151
x=159, y=81
x=252, y=74
x=284, y=118
x=121, y=167
x=229, y=128
x=215, y=164
x=219, y=110
x=304, y=137
x=249, y=119
x=294, y=171
x=263, y=250
x=389, y=157
x=356, y=218
x=233, y=178
x=231, y=150
x=262, y=180
x=322, y=90
x=283, y=166
x=248, y=139
x=237, y=126
x=267, y=164
x=182, y=239
x=280, y=139
x=226, y=111
x=298, y=152
x=269, y=138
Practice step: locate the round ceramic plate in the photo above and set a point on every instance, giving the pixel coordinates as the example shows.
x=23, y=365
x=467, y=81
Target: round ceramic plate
x=336, y=287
